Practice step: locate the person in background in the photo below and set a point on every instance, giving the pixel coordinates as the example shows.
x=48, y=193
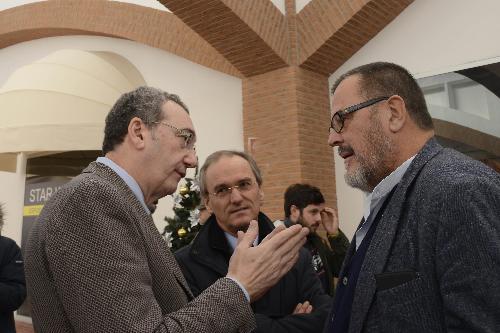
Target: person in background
x=426, y=255
x=305, y=205
x=95, y=261
x=12, y=283
x=230, y=185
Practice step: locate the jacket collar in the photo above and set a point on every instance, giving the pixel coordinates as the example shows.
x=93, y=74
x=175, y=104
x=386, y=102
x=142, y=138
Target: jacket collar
x=378, y=251
x=146, y=221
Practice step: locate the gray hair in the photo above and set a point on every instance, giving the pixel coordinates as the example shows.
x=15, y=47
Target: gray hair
x=214, y=157
x=145, y=103
x=387, y=79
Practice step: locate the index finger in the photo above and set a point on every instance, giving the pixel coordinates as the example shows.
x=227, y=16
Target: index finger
x=274, y=232
x=328, y=210
x=247, y=238
x=286, y=240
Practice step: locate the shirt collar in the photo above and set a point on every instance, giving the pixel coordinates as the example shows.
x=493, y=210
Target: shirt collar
x=233, y=241
x=131, y=183
x=384, y=187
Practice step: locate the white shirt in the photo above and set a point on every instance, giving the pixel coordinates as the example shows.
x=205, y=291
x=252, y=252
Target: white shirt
x=233, y=241
x=374, y=200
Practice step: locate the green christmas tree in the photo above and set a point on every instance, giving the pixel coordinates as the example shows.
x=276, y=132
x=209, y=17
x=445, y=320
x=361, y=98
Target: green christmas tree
x=183, y=227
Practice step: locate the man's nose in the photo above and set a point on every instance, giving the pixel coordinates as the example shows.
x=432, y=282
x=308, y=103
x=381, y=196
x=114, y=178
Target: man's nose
x=191, y=159
x=236, y=195
x=334, y=139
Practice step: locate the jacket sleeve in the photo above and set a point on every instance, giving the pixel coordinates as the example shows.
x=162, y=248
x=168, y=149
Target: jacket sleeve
x=12, y=284
x=310, y=290
x=339, y=246
x=99, y=261
x=468, y=255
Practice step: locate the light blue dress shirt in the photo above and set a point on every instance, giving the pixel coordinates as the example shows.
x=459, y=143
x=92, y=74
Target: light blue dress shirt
x=132, y=184
x=374, y=200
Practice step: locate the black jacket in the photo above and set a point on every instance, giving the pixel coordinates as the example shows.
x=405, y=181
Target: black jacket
x=12, y=284
x=206, y=259
x=331, y=256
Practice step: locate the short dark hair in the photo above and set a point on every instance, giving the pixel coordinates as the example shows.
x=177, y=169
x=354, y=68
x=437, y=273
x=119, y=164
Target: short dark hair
x=301, y=196
x=214, y=157
x=387, y=79
x=144, y=103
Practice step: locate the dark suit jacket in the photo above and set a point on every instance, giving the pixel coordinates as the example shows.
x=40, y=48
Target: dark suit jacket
x=95, y=262
x=12, y=285
x=206, y=259
x=433, y=264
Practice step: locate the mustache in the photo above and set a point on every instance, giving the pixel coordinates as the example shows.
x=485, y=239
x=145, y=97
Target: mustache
x=345, y=149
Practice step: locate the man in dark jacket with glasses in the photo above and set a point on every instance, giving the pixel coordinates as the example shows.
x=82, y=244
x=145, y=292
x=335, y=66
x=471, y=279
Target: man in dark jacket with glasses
x=230, y=186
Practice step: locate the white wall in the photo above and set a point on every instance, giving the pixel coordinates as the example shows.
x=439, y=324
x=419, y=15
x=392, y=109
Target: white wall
x=429, y=37
x=214, y=99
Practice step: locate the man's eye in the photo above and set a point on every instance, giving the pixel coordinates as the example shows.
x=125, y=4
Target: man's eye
x=244, y=184
x=222, y=190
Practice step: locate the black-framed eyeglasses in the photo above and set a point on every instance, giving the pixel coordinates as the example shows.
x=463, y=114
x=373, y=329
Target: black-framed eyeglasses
x=244, y=185
x=184, y=133
x=337, y=122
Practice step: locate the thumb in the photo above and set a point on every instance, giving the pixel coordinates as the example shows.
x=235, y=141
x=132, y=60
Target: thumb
x=247, y=238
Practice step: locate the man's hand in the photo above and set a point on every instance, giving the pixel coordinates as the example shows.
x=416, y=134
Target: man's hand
x=261, y=267
x=303, y=308
x=330, y=221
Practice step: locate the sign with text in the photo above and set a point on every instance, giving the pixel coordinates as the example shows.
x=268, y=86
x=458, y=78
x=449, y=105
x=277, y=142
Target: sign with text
x=37, y=192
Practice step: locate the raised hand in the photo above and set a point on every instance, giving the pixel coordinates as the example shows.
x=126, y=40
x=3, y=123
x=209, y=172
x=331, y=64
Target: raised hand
x=330, y=221
x=259, y=268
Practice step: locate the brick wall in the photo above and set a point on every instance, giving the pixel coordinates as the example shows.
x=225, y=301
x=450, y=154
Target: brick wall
x=287, y=113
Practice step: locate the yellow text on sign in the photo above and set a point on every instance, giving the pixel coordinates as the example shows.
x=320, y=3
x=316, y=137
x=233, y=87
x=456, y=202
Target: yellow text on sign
x=32, y=210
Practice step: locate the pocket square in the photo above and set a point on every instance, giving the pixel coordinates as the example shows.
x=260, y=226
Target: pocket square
x=390, y=280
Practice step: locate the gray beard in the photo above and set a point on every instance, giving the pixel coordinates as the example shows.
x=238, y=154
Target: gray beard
x=358, y=179
x=376, y=165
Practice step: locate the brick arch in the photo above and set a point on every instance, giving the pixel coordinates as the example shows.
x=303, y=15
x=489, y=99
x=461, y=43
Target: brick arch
x=148, y=26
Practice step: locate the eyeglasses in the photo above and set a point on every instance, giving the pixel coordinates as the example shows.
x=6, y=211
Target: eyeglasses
x=337, y=122
x=184, y=133
x=242, y=186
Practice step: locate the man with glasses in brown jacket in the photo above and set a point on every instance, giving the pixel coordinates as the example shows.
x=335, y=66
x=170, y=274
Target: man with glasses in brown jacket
x=95, y=261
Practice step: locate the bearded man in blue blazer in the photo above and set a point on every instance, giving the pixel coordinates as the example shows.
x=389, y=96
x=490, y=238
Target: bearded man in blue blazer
x=426, y=255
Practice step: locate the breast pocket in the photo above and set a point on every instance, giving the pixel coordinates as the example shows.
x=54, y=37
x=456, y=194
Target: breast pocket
x=403, y=304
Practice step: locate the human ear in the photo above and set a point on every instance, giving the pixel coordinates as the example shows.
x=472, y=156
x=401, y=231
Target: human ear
x=206, y=201
x=135, y=132
x=398, y=114
x=261, y=195
x=294, y=213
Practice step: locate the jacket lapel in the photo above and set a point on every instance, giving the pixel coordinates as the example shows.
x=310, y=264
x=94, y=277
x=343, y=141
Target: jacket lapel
x=210, y=247
x=383, y=238
x=145, y=223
